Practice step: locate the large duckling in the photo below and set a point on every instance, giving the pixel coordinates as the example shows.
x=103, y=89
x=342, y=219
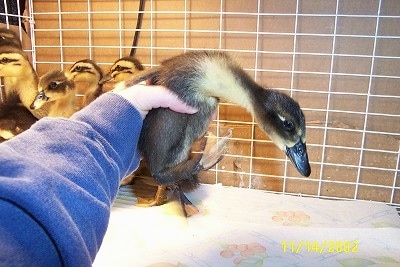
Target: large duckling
x=123, y=69
x=56, y=89
x=19, y=77
x=87, y=71
x=201, y=78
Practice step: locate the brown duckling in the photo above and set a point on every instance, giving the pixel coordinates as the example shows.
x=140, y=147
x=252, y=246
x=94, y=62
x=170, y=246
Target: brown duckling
x=89, y=72
x=56, y=89
x=19, y=77
x=123, y=69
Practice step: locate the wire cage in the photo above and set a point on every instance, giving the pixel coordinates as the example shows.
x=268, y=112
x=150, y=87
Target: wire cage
x=339, y=59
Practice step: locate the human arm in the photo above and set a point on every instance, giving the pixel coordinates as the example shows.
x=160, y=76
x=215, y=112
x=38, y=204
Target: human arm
x=59, y=178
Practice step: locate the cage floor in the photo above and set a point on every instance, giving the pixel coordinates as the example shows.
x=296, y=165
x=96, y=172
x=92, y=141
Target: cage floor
x=244, y=227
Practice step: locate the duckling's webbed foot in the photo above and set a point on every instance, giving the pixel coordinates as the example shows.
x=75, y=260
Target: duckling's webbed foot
x=178, y=195
x=147, y=192
x=159, y=198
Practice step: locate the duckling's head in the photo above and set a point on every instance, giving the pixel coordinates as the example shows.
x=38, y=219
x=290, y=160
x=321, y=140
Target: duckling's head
x=86, y=70
x=53, y=86
x=123, y=69
x=283, y=120
x=9, y=37
x=13, y=62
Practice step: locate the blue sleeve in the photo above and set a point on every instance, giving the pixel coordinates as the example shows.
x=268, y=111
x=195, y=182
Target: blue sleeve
x=59, y=179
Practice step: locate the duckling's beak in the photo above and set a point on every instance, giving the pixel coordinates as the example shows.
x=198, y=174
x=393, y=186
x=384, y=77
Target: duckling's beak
x=40, y=99
x=105, y=78
x=298, y=156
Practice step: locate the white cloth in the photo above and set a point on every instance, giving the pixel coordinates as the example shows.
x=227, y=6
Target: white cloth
x=243, y=227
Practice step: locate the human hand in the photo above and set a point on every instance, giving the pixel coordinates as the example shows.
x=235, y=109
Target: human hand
x=146, y=97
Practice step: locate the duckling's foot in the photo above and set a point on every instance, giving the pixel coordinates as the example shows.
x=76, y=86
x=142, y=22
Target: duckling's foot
x=159, y=198
x=188, y=208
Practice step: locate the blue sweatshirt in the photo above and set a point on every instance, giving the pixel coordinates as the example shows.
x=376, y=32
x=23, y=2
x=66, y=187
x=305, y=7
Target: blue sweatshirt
x=58, y=181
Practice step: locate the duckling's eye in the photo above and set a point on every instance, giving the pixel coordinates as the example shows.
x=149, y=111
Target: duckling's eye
x=118, y=68
x=78, y=68
x=42, y=96
x=5, y=60
x=288, y=125
x=53, y=85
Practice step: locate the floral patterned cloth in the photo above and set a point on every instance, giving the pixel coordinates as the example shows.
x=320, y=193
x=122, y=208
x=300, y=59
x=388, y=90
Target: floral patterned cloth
x=243, y=227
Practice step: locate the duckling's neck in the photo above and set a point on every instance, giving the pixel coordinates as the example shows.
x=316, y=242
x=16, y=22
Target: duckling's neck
x=94, y=86
x=63, y=107
x=230, y=84
x=25, y=84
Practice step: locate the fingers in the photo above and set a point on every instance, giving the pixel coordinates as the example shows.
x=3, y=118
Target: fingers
x=146, y=97
x=171, y=100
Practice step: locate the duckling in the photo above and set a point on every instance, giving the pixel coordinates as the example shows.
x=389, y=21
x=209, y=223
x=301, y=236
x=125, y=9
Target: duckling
x=9, y=37
x=201, y=78
x=123, y=69
x=19, y=77
x=55, y=88
x=88, y=71
x=14, y=118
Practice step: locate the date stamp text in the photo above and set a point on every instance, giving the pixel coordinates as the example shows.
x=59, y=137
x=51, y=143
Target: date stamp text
x=325, y=246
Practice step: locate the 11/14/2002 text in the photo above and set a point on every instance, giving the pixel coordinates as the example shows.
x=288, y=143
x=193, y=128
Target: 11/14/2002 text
x=326, y=246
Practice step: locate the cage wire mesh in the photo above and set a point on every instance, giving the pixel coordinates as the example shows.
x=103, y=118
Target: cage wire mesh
x=339, y=59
